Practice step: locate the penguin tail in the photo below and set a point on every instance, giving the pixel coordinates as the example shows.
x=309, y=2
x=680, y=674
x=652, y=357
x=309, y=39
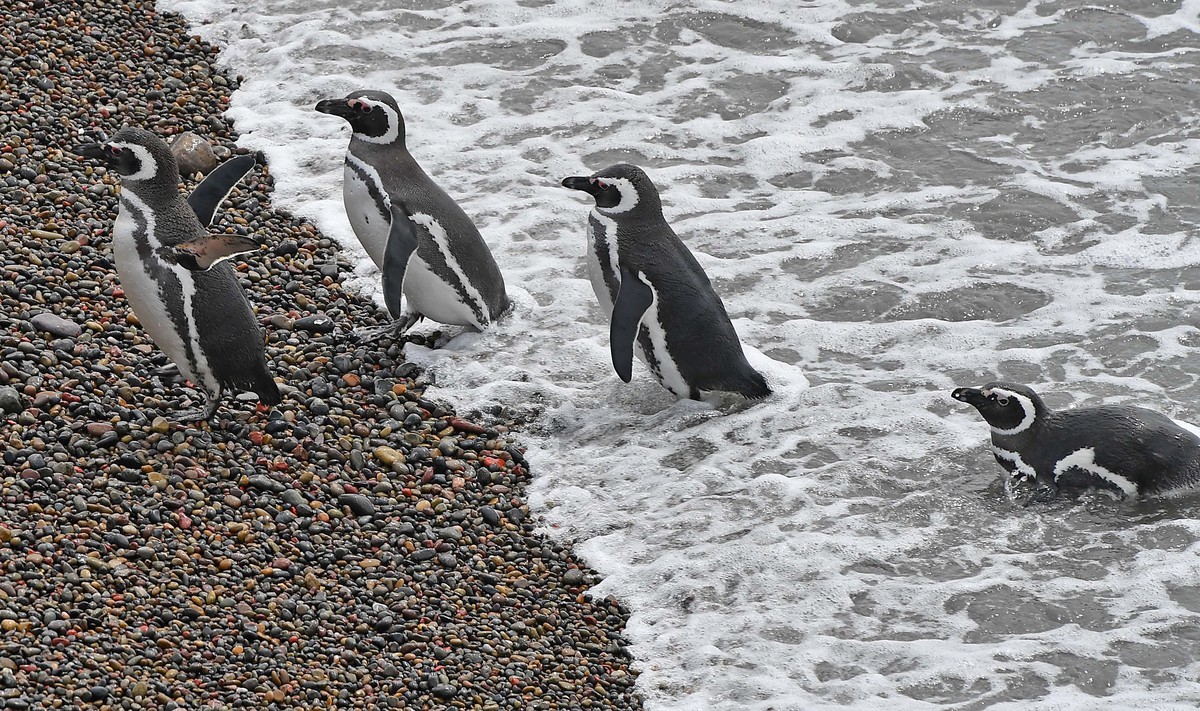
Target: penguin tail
x=267, y=390
x=754, y=386
x=259, y=382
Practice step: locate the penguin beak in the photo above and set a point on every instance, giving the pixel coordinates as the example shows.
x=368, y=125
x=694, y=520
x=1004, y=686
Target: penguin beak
x=581, y=183
x=971, y=396
x=92, y=150
x=335, y=107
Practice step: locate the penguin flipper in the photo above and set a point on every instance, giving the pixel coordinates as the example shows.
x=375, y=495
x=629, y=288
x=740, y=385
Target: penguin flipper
x=633, y=298
x=401, y=243
x=217, y=185
x=201, y=253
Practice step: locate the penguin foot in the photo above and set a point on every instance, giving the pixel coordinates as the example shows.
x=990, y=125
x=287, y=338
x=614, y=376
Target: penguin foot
x=370, y=335
x=196, y=414
x=169, y=372
x=1042, y=494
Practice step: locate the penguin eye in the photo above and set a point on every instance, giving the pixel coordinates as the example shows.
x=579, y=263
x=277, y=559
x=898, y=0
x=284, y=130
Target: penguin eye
x=115, y=150
x=600, y=184
x=1002, y=401
x=362, y=106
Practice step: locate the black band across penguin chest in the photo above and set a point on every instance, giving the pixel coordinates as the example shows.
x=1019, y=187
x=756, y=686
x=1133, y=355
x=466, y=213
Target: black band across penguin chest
x=602, y=246
x=374, y=190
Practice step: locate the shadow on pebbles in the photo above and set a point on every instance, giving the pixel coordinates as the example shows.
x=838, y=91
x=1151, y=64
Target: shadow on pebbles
x=359, y=546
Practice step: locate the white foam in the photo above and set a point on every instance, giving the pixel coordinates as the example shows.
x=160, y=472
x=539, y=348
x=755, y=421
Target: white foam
x=950, y=197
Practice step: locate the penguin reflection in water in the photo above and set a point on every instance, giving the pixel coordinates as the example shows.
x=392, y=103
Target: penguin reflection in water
x=661, y=303
x=172, y=272
x=426, y=247
x=1129, y=450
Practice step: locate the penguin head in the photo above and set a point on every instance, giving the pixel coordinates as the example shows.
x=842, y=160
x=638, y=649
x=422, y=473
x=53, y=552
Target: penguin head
x=618, y=189
x=136, y=155
x=373, y=115
x=1009, y=409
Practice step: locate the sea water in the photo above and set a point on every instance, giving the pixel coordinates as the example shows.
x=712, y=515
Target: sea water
x=893, y=198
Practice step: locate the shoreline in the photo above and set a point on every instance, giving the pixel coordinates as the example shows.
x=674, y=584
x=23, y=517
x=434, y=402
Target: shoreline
x=359, y=544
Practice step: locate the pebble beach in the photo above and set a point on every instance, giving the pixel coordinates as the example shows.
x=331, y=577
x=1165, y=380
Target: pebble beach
x=361, y=545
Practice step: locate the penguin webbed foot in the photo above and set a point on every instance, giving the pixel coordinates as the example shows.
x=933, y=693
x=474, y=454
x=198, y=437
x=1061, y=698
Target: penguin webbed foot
x=372, y=334
x=205, y=412
x=195, y=414
x=1043, y=493
x=396, y=329
x=169, y=373
x=407, y=321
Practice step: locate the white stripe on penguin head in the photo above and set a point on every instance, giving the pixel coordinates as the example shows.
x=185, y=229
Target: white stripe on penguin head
x=1026, y=406
x=393, y=122
x=147, y=168
x=629, y=196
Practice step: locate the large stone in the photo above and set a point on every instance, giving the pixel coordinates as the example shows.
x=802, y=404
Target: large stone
x=358, y=504
x=317, y=323
x=10, y=400
x=193, y=154
x=56, y=325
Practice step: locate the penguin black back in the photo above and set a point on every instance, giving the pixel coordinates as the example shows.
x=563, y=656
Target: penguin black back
x=1131, y=450
x=661, y=295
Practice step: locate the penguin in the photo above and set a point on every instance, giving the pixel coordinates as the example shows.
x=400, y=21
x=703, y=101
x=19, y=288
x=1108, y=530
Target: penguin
x=173, y=272
x=425, y=246
x=1129, y=450
x=660, y=302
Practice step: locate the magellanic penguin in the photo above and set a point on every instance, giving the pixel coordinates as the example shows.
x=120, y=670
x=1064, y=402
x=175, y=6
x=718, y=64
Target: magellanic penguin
x=426, y=247
x=661, y=303
x=1129, y=450
x=200, y=319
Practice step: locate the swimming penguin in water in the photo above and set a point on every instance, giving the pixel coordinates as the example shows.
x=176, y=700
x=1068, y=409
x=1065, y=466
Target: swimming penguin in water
x=1130, y=450
x=200, y=318
x=661, y=303
x=426, y=247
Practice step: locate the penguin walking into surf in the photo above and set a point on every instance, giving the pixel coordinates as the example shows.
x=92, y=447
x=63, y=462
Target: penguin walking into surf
x=426, y=247
x=173, y=272
x=1129, y=450
x=661, y=303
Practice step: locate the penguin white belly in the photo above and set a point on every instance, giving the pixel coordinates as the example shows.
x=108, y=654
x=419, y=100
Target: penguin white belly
x=433, y=297
x=369, y=225
x=664, y=368
x=596, y=276
x=144, y=297
x=595, y=271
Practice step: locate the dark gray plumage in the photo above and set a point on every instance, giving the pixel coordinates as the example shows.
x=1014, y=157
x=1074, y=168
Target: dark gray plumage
x=426, y=247
x=662, y=304
x=1127, y=449
x=200, y=319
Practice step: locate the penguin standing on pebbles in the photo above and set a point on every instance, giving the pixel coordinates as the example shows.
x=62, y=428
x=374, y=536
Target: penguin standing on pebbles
x=1126, y=449
x=427, y=248
x=173, y=274
x=661, y=303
